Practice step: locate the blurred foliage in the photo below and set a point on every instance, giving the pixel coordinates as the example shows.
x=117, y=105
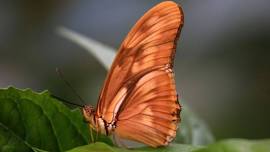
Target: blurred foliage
x=193, y=130
x=98, y=147
x=238, y=145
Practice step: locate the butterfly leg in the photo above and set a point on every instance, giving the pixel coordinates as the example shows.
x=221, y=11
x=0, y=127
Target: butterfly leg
x=91, y=135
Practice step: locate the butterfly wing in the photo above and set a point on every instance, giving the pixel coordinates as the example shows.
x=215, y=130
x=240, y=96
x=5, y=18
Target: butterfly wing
x=141, y=78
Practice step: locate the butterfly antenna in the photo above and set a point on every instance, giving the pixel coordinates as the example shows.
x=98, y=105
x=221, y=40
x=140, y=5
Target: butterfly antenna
x=60, y=74
x=65, y=101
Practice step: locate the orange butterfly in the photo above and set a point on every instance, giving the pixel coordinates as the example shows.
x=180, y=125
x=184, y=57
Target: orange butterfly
x=139, y=100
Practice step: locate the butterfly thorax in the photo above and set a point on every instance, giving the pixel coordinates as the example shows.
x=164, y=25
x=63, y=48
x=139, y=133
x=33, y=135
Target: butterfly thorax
x=95, y=122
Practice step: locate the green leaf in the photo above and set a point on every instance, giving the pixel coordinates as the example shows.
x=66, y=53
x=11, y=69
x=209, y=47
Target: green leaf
x=232, y=145
x=193, y=130
x=100, y=147
x=38, y=150
x=29, y=119
x=10, y=142
x=239, y=145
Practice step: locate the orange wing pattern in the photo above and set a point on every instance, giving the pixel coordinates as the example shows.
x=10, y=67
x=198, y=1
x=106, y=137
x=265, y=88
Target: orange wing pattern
x=151, y=113
x=139, y=90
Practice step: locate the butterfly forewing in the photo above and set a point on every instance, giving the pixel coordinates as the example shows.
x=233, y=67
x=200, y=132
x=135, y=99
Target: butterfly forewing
x=139, y=93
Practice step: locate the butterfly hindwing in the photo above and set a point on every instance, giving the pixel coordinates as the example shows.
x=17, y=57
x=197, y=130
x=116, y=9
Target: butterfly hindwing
x=151, y=113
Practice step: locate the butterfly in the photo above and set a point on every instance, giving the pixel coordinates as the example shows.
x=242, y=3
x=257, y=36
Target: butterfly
x=139, y=101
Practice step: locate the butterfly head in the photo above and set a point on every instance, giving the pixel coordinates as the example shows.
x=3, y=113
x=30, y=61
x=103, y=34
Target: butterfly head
x=89, y=115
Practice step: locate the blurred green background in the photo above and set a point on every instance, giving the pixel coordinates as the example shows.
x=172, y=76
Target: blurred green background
x=222, y=63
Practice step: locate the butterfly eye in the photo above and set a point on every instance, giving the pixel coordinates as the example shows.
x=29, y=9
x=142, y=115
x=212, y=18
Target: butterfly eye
x=88, y=110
